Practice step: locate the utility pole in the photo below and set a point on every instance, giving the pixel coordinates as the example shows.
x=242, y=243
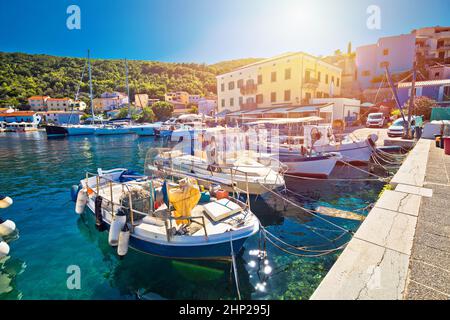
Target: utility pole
x=411, y=99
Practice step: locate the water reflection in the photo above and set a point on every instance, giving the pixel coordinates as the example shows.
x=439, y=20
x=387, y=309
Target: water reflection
x=10, y=269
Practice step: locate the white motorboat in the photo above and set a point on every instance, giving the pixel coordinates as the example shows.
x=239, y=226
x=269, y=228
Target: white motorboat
x=165, y=219
x=314, y=166
x=145, y=129
x=353, y=151
x=237, y=174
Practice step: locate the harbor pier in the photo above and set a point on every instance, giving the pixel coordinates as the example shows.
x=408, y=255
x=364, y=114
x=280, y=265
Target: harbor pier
x=402, y=249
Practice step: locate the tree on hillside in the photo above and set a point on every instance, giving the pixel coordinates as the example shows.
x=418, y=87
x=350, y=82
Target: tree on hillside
x=422, y=106
x=123, y=113
x=147, y=115
x=162, y=110
x=193, y=109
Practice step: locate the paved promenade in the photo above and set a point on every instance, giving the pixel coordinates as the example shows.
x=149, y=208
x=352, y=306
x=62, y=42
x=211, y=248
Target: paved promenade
x=402, y=249
x=429, y=268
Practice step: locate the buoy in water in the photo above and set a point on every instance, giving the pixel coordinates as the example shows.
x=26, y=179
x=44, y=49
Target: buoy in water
x=5, y=201
x=4, y=249
x=6, y=227
x=115, y=229
x=81, y=202
x=124, y=239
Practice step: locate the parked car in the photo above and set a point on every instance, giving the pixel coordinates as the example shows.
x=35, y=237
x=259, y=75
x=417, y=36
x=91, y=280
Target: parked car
x=375, y=120
x=398, y=128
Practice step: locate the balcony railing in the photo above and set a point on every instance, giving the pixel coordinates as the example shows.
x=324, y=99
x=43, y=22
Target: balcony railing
x=248, y=89
x=310, y=82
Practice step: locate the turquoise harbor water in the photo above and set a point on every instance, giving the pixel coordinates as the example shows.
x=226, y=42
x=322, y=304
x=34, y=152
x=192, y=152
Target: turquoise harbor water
x=37, y=173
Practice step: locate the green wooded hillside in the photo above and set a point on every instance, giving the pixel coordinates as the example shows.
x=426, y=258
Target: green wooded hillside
x=24, y=75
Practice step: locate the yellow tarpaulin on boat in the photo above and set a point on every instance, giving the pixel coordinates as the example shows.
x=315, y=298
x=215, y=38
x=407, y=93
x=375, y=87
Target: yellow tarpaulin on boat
x=184, y=198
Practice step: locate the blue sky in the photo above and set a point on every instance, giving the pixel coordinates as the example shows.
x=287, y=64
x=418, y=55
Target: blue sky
x=206, y=30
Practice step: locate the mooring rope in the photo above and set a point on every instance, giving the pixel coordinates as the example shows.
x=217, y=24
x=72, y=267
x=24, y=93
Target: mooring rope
x=311, y=212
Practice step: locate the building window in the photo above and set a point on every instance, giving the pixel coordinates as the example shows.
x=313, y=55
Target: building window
x=365, y=73
x=319, y=94
x=240, y=83
x=307, y=96
x=332, y=80
x=260, y=79
x=241, y=101
x=273, y=97
x=222, y=87
x=259, y=99
x=231, y=102
x=446, y=96
x=223, y=103
x=385, y=52
x=338, y=81
x=273, y=77
x=307, y=75
x=287, y=74
x=326, y=79
x=319, y=76
x=287, y=95
x=437, y=75
x=231, y=85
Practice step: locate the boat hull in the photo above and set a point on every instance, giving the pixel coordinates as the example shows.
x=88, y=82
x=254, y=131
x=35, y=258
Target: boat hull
x=354, y=153
x=111, y=131
x=80, y=131
x=55, y=131
x=211, y=250
x=144, y=131
x=315, y=167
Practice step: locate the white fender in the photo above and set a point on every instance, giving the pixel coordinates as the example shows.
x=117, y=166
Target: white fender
x=116, y=226
x=6, y=228
x=124, y=239
x=81, y=201
x=4, y=249
x=5, y=202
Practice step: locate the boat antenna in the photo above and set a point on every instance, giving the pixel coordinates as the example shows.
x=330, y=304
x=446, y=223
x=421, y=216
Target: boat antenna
x=91, y=95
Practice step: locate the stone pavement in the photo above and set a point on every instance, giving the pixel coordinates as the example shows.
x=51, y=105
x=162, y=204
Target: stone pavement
x=429, y=267
x=376, y=262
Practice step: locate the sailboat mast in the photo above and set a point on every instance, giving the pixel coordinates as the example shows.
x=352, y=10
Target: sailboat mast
x=91, y=95
x=128, y=87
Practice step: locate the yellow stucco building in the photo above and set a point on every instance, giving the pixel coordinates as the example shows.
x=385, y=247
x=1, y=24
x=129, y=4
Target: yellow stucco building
x=286, y=80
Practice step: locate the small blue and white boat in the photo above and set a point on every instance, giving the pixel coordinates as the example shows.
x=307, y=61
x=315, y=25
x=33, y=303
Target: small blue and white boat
x=145, y=129
x=142, y=213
